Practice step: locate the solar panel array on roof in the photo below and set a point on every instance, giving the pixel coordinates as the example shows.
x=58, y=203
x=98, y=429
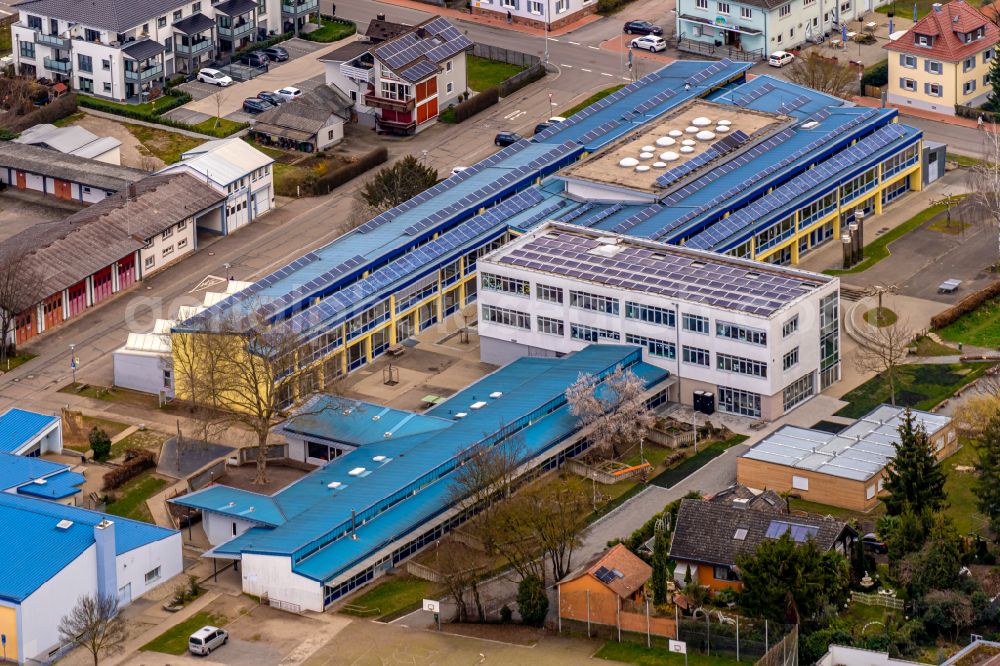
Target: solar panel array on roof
x=542, y=215
x=684, y=169
x=709, y=72
x=600, y=215
x=754, y=94
x=577, y=212
x=419, y=70
x=604, y=575
x=799, y=533
x=313, y=285
x=668, y=272
x=788, y=107
x=824, y=173
x=433, y=42
x=637, y=219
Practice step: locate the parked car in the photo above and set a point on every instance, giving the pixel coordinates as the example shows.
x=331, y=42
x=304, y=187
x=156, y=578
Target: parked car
x=872, y=543
x=273, y=98
x=780, y=59
x=206, y=639
x=256, y=105
x=288, y=93
x=255, y=59
x=276, y=53
x=642, y=28
x=215, y=77
x=506, y=138
x=541, y=127
x=650, y=43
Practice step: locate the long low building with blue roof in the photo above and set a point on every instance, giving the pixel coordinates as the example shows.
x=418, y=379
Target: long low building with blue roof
x=385, y=487
x=54, y=553
x=692, y=154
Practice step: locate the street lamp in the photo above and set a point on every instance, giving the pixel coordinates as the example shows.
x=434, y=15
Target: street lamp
x=547, y=15
x=72, y=361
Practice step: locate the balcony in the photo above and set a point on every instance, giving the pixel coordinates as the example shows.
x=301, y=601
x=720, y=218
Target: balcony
x=62, y=65
x=193, y=49
x=144, y=74
x=235, y=32
x=357, y=73
x=300, y=7
x=403, y=126
x=55, y=41
x=371, y=99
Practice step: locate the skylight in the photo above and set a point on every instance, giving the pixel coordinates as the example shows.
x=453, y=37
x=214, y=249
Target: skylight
x=741, y=534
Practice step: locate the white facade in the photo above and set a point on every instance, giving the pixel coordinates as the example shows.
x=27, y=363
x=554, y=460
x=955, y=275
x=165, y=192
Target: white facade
x=272, y=575
x=166, y=247
x=537, y=12
x=705, y=347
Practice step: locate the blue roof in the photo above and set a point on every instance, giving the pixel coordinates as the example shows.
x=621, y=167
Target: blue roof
x=18, y=470
x=19, y=426
x=378, y=480
x=56, y=487
x=356, y=423
x=35, y=549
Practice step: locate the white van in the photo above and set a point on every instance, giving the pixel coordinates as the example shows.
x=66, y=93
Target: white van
x=206, y=639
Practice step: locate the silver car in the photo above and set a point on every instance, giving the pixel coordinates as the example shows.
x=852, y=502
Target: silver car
x=206, y=639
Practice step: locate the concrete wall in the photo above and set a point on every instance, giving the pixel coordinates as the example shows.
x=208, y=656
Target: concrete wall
x=273, y=576
x=132, y=566
x=220, y=529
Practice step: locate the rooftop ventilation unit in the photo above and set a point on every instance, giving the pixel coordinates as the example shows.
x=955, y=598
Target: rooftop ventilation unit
x=64, y=524
x=357, y=471
x=379, y=458
x=387, y=434
x=376, y=417
x=40, y=482
x=477, y=405
x=461, y=415
x=810, y=124
x=496, y=394
x=333, y=485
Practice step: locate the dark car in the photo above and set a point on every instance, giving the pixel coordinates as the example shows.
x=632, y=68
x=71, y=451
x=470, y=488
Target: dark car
x=642, y=28
x=541, y=127
x=271, y=97
x=872, y=543
x=276, y=53
x=506, y=138
x=254, y=59
x=256, y=105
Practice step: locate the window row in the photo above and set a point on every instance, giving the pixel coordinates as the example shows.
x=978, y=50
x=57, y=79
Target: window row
x=507, y=317
x=595, y=302
x=659, y=348
x=508, y=285
x=753, y=336
x=650, y=314
x=740, y=365
x=798, y=391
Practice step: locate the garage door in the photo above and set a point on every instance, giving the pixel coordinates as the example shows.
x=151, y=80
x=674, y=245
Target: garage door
x=262, y=201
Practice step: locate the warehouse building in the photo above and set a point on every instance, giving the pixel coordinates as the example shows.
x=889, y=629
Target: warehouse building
x=762, y=339
x=845, y=469
x=58, y=553
x=387, y=490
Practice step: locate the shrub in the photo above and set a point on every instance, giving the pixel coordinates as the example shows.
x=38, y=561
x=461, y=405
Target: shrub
x=7, y=135
x=179, y=98
x=137, y=461
x=331, y=29
x=57, y=109
x=965, y=306
x=974, y=113
x=506, y=614
x=340, y=175
x=193, y=587
x=532, y=601
x=100, y=444
x=476, y=103
x=876, y=75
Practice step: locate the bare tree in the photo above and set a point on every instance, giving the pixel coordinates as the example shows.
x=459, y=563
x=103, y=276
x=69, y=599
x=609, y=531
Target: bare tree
x=974, y=413
x=613, y=410
x=882, y=350
x=487, y=473
x=21, y=288
x=462, y=570
x=219, y=98
x=985, y=179
x=825, y=75
x=560, y=519
x=95, y=625
x=244, y=369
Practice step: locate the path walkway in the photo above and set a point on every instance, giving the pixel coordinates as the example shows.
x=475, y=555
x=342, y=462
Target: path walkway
x=496, y=23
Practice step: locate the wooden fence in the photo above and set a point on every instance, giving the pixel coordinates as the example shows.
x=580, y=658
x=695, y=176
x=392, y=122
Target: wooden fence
x=784, y=653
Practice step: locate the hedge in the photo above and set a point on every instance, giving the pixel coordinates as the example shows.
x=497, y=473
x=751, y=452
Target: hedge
x=180, y=98
x=476, y=103
x=965, y=306
x=350, y=29
x=57, y=109
x=137, y=461
x=337, y=177
x=974, y=113
x=877, y=75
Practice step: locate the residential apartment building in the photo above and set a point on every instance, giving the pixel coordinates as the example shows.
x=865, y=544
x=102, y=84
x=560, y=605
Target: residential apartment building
x=400, y=85
x=118, y=50
x=762, y=339
x=536, y=13
x=943, y=60
x=752, y=29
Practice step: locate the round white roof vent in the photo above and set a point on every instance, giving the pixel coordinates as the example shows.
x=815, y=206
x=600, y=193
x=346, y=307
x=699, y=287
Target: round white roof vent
x=701, y=121
x=675, y=133
x=642, y=168
x=659, y=165
x=689, y=142
x=628, y=162
x=645, y=155
x=665, y=141
x=687, y=149
x=721, y=129
x=669, y=156
x=725, y=122
x=648, y=149
x=690, y=129
x=704, y=135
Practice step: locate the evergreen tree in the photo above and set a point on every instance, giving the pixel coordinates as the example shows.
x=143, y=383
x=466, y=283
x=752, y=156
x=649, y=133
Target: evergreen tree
x=658, y=581
x=913, y=477
x=994, y=99
x=100, y=444
x=988, y=483
x=532, y=601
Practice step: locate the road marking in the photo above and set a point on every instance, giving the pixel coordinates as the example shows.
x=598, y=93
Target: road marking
x=586, y=70
x=625, y=78
x=562, y=64
x=605, y=74
x=515, y=114
x=553, y=39
x=575, y=43
x=596, y=48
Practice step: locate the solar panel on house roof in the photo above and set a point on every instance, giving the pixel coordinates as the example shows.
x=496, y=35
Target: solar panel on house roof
x=419, y=70
x=799, y=533
x=604, y=575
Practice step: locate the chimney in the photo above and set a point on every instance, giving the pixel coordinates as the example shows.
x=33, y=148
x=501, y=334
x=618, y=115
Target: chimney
x=130, y=192
x=107, y=576
x=380, y=17
x=936, y=6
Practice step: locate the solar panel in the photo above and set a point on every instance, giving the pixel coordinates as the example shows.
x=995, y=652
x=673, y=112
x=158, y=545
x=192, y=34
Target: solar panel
x=754, y=94
x=419, y=71
x=634, y=220
x=600, y=215
x=788, y=107
x=577, y=212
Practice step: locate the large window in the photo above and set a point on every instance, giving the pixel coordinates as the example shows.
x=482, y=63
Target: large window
x=595, y=302
x=817, y=209
x=695, y=323
x=790, y=360
x=696, y=356
x=650, y=314
x=798, y=391
x=508, y=285
x=735, y=401
x=550, y=326
x=660, y=348
x=592, y=334
x=27, y=49
x=899, y=161
x=790, y=326
x=547, y=293
x=753, y=336
x=775, y=234
x=740, y=365
x=415, y=293
x=85, y=62
x=397, y=91
x=507, y=317
x=857, y=186
x=829, y=340
x=368, y=319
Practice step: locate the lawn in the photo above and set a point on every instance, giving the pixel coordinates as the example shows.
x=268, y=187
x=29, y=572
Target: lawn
x=394, y=595
x=113, y=394
x=917, y=386
x=689, y=466
x=222, y=125
x=331, y=31
x=597, y=96
x=482, y=73
x=878, y=249
x=963, y=160
x=633, y=653
x=14, y=361
x=654, y=455
x=166, y=145
x=68, y=120
x=960, y=488
x=880, y=317
x=81, y=443
x=980, y=328
x=145, y=439
x=905, y=9
x=928, y=347
x=796, y=504
x=175, y=639
x=134, y=495
x=5, y=41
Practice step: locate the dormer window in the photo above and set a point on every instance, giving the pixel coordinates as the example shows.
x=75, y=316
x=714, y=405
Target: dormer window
x=925, y=40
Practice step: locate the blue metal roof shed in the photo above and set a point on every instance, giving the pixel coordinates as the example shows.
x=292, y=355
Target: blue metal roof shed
x=20, y=428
